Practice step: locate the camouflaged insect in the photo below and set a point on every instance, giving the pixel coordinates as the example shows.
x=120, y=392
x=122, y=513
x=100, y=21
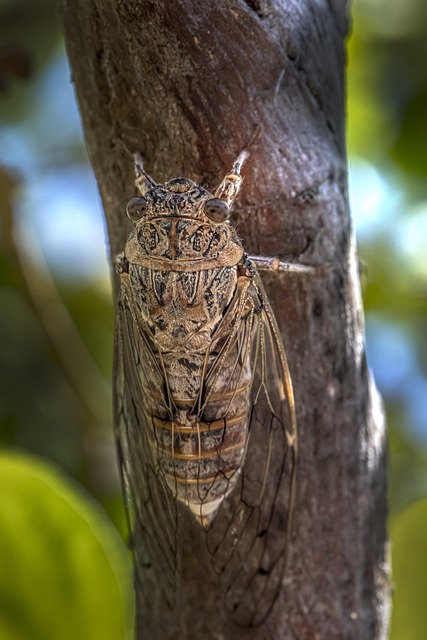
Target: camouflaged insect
x=204, y=408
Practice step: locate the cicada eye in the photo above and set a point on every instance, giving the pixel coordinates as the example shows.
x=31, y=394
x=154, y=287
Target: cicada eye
x=217, y=210
x=136, y=208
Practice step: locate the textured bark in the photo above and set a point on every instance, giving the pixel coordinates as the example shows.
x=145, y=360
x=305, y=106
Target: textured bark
x=189, y=83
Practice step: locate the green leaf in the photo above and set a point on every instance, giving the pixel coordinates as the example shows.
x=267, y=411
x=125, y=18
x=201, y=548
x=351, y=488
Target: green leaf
x=64, y=572
x=408, y=533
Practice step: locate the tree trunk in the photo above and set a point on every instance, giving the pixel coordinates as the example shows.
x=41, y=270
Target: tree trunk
x=191, y=84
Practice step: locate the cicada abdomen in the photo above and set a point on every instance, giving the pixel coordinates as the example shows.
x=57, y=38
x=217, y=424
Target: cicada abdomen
x=204, y=407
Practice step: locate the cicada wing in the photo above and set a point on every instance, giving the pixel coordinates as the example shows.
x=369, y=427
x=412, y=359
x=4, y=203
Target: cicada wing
x=250, y=535
x=248, y=380
x=151, y=507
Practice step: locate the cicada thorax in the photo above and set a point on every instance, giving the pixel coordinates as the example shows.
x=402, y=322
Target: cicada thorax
x=183, y=276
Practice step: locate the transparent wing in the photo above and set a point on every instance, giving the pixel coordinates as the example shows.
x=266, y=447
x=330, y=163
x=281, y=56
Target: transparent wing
x=249, y=537
x=151, y=508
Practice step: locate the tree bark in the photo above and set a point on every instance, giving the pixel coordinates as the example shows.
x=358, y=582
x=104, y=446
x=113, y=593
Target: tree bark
x=190, y=84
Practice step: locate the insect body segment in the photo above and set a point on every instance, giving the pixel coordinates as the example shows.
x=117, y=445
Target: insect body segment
x=182, y=276
x=203, y=401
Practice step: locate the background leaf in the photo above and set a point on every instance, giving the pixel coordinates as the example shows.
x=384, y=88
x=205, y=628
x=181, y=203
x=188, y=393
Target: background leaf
x=64, y=571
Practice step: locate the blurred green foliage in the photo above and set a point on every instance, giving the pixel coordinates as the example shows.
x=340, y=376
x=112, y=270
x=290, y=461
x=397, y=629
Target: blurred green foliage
x=61, y=559
x=408, y=532
x=57, y=323
x=64, y=572
x=387, y=132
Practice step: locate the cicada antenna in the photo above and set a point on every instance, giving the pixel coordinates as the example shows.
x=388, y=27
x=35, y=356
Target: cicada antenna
x=237, y=166
x=137, y=160
x=229, y=187
x=244, y=155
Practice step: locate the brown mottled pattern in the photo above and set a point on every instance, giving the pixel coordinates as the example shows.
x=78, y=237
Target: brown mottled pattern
x=205, y=416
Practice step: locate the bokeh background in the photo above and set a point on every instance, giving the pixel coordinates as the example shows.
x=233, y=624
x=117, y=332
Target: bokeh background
x=64, y=568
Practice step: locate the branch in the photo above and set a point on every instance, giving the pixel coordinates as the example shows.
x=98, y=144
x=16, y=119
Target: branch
x=189, y=84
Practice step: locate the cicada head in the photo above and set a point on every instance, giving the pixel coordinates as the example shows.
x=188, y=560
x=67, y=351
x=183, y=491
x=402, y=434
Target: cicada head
x=183, y=198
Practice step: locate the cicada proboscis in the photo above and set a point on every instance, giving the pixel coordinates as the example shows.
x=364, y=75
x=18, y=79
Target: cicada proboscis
x=204, y=408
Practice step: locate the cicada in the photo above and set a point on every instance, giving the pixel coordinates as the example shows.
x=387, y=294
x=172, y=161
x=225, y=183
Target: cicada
x=204, y=407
